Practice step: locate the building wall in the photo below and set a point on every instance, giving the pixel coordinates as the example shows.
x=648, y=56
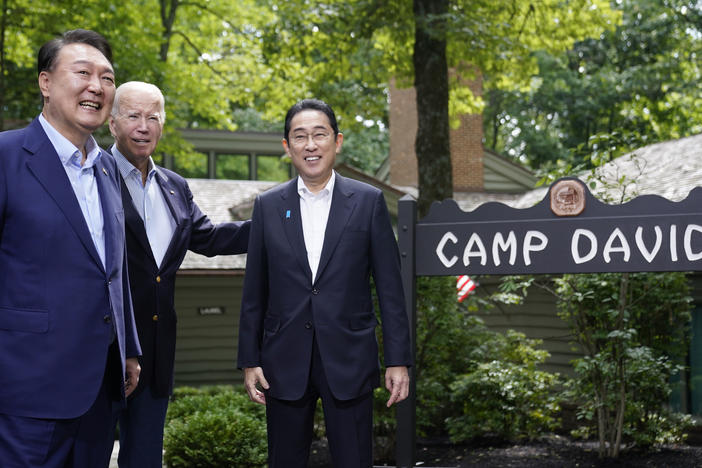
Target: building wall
x=536, y=318
x=206, y=346
x=466, y=142
x=467, y=148
x=403, y=132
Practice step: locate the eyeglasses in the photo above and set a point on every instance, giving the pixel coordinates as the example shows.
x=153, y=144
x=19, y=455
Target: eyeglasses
x=300, y=139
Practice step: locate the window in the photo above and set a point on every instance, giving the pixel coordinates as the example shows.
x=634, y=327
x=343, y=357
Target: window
x=191, y=167
x=232, y=166
x=272, y=168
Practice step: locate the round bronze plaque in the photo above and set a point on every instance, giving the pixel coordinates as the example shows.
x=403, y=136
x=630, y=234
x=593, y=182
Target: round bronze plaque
x=567, y=198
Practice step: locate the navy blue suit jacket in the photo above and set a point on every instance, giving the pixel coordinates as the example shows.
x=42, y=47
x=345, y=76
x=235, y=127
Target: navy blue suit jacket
x=58, y=304
x=282, y=307
x=153, y=287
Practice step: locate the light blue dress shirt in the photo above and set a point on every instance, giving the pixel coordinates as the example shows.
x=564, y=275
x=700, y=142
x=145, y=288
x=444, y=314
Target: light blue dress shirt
x=82, y=180
x=149, y=203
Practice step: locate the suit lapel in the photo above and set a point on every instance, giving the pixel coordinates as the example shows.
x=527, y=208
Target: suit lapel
x=112, y=219
x=342, y=206
x=292, y=224
x=45, y=165
x=133, y=221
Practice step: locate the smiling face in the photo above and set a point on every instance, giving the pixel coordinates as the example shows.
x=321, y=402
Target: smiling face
x=312, y=147
x=137, y=124
x=78, y=92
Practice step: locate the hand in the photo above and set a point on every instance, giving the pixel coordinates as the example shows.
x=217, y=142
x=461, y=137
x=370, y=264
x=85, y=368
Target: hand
x=132, y=375
x=397, y=383
x=253, y=376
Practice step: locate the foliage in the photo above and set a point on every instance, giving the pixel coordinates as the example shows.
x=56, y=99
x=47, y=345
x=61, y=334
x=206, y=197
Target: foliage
x=509, y=398
x=452, y=346
x=647, y=423
x=214, y=426
x=630, y=326
x=635, y=84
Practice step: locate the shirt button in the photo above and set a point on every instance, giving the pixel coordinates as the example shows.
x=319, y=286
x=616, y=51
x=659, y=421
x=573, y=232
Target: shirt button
x=155, y=318
x=158, y=279
x=308, y=325
x=107, y=319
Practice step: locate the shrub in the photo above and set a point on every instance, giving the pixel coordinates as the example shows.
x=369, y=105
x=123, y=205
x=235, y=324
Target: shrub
x=632, y=327
x=214, y=426
x=508, y=398
x=452, y=343
x=215, y=438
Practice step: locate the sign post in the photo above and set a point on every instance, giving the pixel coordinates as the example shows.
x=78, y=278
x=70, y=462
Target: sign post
x=569, y=231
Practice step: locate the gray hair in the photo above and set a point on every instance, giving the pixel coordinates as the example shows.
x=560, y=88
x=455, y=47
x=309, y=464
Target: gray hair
x=143, y=86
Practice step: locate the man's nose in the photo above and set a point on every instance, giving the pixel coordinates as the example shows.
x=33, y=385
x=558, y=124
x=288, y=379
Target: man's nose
x=310, y=143
x=95, y=84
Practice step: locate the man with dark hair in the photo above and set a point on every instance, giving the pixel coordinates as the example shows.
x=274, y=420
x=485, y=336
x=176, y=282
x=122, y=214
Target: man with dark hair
x=68, y=344
x=163, y=223
x=307, y=325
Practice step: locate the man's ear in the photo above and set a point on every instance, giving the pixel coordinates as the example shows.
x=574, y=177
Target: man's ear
x=111, y=124
x=44, y=80
x=339, y=142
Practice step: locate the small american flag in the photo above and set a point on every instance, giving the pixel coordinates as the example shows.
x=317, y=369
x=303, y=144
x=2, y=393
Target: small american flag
x=465, y=286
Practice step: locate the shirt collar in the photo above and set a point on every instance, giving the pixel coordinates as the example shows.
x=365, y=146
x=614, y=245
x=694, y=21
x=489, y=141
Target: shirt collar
x=327, y=190
x=127, y=169
x=67, y=150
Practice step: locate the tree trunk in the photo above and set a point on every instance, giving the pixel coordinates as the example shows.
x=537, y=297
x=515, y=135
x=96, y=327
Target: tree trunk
x=621, y=407
x=168, y=16
x=431, y=83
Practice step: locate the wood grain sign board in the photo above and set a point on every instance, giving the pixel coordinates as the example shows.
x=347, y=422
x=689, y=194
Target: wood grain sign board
x=569, y=231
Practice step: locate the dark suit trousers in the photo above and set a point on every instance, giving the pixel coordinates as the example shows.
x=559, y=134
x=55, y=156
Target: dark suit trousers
x=349, y=425
x=81, y=442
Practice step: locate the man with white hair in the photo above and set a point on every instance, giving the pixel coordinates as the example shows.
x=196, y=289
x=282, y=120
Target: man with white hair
x=162, y=222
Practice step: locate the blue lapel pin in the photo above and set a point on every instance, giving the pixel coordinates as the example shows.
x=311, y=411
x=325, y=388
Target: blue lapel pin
x=287, y=214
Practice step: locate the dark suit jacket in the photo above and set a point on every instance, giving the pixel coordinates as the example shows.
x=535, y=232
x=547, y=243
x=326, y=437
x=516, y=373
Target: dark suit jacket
x=282, y=307
x=153, y=288
x=58, y=304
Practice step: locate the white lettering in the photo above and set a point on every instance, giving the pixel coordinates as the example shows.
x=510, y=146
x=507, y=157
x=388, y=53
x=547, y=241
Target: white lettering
x=529, y=247
x=468, y=252
x=449, y=236
x=674, y=242
x=648, y=255
x=499, y=243
x=609, y=247
x=688, y=242
x=575, y=241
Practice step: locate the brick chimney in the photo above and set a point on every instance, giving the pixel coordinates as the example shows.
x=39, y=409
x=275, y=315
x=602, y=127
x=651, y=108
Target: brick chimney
x=466, y=142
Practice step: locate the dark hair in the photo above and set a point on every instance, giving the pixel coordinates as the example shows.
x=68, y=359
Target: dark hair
x=50, y=50
x=314, y=104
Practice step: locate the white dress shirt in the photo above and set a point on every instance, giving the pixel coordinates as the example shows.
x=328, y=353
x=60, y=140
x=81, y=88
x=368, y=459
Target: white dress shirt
x=82, y=180
x=314, y=211
x=149, y=203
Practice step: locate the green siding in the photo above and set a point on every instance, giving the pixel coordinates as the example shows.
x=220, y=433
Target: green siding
x=206, y=345
x=538, y=318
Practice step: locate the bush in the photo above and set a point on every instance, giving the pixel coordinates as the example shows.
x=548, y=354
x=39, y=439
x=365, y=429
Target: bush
x=632, y=328
x=508, y=398
x=452, y=344
x=213, y=427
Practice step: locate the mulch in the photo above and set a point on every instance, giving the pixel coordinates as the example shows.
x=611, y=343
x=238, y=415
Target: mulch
x=550, y=452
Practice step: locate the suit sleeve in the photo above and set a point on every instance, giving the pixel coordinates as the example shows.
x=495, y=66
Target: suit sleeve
x=3, y=197
x=254, y=301
x=385, y=261
x=132, y=347
x=221, y=239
